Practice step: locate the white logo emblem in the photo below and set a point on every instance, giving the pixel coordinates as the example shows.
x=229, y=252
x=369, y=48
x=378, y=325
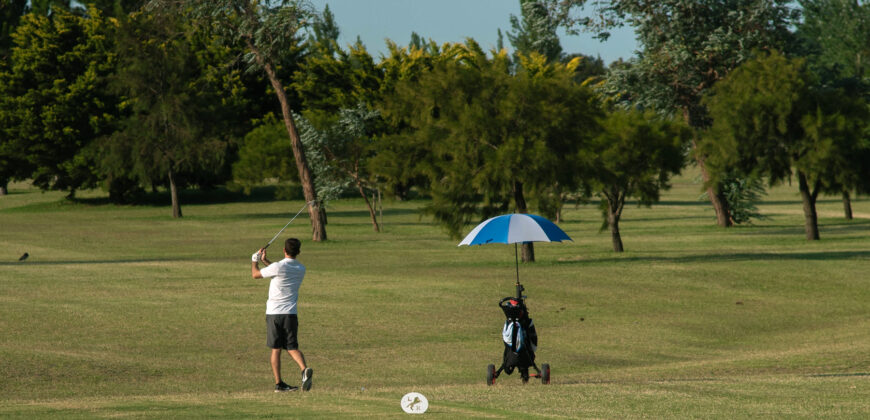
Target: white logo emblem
x=415, y=403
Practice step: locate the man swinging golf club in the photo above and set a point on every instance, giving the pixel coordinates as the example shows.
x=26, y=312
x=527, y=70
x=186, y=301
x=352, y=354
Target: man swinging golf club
x=281, y=320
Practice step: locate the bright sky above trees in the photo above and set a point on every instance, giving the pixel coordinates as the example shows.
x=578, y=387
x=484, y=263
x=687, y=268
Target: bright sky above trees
x=452, y=21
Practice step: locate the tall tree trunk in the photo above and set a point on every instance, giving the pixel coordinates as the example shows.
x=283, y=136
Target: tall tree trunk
x=173, y=192
x=401, y=190
x=3, y=184
x=615, y=204
x=847, y=204
x=560, y=202
x=381, y=207
x=717, y=199
x=369, y=205
x=811, y=220
x=613, y=221
x=528, y=248
x=318, y=226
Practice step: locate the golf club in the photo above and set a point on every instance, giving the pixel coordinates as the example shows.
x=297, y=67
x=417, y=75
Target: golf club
x=288, y=224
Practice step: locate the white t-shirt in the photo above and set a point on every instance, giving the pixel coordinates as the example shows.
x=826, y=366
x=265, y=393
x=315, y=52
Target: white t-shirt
x=286, y=277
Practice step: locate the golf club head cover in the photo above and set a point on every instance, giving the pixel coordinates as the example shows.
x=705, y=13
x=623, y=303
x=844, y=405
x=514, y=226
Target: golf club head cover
x=255, y=257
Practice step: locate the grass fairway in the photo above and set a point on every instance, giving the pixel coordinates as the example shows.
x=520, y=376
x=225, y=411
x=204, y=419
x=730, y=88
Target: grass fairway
x=121, y=311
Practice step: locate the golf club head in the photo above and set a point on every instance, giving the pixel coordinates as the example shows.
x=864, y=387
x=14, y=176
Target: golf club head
x=24, y=257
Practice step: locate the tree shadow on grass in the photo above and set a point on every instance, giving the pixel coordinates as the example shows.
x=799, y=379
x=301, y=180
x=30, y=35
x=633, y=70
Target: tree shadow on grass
x=829, y=227
x=798, y=203
x=219, y=195
x=687, y=203
x=362, y=214
x=365, y=213
x=732, y=257
x=629, y=219
x=76, y=262
x=837, y=375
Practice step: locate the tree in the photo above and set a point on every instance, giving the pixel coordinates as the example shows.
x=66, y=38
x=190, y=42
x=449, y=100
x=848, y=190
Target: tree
x=115, y=8
x=348, y=144
x=834, y=33
x=175, y=96
x=326, y=33
x=589, y=68
x=536, y=32
x=771, y=120
x=266, y=30
x=331, y=184
x=332, y=83
x=742, y=194
x=635, y=155
x=265, y=154
x=496, y=140
x=46, y=7
x=686, y=47
x=402, y=156
x=328, y=82
x=837, y=131
x=54, y=100
x=416, y=41
x=10, y=14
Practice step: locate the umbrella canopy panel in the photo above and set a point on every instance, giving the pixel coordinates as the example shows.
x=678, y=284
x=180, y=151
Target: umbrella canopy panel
x=515, y=228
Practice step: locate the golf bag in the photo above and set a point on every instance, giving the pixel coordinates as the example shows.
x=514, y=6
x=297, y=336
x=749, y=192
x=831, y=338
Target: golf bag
x=520, y=343
x=519, y=336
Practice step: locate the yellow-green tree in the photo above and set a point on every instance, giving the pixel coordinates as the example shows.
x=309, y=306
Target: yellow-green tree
x=497, y=141
x=54, y=99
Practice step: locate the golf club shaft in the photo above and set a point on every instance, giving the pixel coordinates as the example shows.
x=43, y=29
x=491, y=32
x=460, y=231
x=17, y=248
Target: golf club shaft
x=285, y=226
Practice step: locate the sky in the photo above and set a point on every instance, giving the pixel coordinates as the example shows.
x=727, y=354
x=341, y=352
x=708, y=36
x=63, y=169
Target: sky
x=452, y=21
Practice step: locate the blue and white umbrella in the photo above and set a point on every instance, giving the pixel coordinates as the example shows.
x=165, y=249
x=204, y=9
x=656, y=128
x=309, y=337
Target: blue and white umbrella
x=514, y=229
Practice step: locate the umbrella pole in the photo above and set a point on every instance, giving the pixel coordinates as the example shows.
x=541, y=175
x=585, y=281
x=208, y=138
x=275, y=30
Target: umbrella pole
x=517, y=263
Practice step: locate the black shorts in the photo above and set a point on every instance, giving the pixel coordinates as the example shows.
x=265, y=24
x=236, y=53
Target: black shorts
x=281, y=331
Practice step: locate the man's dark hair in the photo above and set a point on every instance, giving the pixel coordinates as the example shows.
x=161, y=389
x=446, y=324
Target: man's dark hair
x=291, y=247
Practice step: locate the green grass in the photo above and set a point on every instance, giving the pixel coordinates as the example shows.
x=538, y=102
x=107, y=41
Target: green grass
x=121, y=311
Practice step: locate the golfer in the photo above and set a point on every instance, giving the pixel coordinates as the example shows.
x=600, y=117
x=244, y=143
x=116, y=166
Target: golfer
x=281, y=320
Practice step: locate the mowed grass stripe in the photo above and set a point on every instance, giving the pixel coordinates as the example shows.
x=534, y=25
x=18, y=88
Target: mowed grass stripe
x=121, y=311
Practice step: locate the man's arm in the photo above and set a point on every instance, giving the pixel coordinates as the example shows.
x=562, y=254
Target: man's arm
x=255, y=264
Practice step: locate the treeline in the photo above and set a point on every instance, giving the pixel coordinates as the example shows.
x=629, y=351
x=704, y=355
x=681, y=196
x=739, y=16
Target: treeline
x=134, y=96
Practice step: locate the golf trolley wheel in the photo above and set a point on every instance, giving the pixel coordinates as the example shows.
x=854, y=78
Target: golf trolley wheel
x=490, y=375
x=545, y=373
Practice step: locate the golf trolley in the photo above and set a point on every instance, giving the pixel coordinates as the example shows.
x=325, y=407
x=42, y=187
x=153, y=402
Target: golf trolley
x=520, y=342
